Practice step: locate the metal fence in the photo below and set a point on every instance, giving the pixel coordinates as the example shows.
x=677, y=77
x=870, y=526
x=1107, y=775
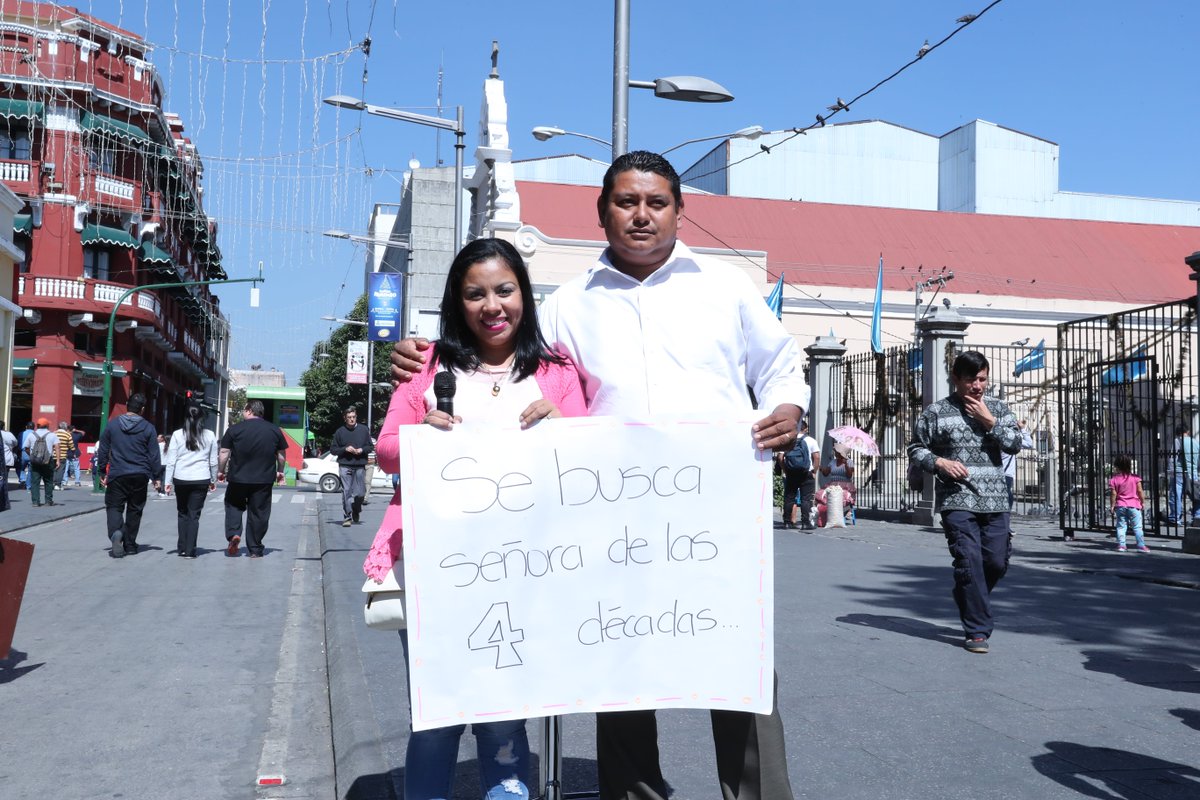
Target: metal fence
x=881, y=394
x=1129, y=380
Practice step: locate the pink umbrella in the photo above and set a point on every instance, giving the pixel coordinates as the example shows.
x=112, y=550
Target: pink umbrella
x=854, y=439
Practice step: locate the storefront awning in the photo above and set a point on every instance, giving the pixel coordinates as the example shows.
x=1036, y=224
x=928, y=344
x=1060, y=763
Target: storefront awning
x=23, y=367
x=148, y=253
x=111, y=237
x=98, y=123
x=21, y=109
x=98, y=367
x=23, y=223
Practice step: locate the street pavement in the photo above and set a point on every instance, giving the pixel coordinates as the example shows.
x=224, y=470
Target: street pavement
x=156, y=676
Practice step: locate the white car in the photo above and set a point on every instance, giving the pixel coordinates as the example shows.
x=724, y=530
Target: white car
x=323, y=471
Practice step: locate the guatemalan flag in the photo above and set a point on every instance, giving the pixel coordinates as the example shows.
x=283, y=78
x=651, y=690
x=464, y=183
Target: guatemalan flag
x=1034, y=359
x=775, y=298
x=877, y=312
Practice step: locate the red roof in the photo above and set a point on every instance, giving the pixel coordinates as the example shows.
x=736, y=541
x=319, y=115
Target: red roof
x=839, y=245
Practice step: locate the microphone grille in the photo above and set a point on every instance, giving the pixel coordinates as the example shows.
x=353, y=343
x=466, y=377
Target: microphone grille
x=444, y=384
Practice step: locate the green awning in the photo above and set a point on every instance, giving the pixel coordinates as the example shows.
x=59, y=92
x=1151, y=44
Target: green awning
x=23, y=367
x=98, y=367
x=148, y=253
x=276, y=393
x=98, y=123
x=23, y=223
x=112, y=237
x=21, y=109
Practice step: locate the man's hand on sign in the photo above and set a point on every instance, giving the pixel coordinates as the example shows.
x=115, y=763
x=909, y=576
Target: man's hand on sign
x=777, y=431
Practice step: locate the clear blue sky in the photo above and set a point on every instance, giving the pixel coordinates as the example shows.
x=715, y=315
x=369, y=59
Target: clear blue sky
x=1113, y=83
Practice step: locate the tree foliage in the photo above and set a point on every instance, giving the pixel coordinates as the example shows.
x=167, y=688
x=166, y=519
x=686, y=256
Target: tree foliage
x=237, y=403
x=328, y=394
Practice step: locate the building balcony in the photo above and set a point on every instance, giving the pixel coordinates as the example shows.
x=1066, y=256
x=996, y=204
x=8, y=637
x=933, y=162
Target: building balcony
x=20, y=176
x=113, y=192
x=87, y=295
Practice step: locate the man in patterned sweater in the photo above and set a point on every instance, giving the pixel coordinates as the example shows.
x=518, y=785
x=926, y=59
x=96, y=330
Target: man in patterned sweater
x=960, y=439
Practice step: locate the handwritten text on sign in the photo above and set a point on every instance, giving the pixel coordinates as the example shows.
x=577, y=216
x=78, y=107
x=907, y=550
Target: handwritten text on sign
x=586, y=565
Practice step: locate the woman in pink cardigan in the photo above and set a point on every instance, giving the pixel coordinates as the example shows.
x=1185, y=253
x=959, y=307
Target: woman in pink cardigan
x=504, y=372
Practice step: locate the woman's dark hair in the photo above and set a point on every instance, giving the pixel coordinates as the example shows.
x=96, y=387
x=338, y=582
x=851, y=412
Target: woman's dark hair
x=456, y=346
x=193, y=426
x=1124, y=464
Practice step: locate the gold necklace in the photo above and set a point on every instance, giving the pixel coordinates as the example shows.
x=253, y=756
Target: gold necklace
x=504, y=375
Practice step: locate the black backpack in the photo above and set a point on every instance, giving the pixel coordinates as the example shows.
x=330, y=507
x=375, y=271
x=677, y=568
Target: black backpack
x=799, y=457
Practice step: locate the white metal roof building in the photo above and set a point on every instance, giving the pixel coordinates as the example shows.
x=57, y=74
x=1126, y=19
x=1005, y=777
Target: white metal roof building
x=979, y=168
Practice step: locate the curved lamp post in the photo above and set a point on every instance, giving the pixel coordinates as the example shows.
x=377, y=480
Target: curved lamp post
x=543, y=133
x=454, y=125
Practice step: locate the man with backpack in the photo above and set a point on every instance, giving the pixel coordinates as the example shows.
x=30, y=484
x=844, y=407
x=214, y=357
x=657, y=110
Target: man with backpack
x=799, y=479
x=41, y=445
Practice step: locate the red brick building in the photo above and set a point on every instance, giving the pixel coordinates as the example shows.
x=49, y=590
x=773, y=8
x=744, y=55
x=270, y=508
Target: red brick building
x=113, y=201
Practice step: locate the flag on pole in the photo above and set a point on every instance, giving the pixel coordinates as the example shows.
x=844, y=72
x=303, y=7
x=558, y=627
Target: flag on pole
x=1034, y=359
x=775, y=298
x=1129, y=371
x=877, y=311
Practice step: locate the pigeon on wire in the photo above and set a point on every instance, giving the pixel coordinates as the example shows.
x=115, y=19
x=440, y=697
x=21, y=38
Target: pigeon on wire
x=925, y=48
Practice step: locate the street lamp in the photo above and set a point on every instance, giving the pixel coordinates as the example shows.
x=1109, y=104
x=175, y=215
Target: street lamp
x=371, y=383
x=543, y=133
x=455, y=126
x=681, y=87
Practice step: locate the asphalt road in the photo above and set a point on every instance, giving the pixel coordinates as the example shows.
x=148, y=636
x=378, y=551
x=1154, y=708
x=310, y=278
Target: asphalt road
x=155, y=676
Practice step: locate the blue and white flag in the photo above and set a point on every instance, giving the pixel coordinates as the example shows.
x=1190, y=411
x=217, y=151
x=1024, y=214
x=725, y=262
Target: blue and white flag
x=1129, y=371
x=876, y=312
x=1034, y=359
x=775, y=298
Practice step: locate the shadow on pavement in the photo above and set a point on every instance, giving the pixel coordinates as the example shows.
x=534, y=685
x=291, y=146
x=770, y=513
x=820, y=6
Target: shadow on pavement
x=9, y=671
x=1188, y=716
x=1113, y=774
x=1159, y=671
x=907, y=626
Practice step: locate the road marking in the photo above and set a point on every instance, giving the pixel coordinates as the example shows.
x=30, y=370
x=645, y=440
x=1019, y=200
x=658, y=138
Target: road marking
x=305, y=583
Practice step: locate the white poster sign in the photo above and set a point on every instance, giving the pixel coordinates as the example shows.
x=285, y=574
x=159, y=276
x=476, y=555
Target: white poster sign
x=356, y=362
x=587, y=565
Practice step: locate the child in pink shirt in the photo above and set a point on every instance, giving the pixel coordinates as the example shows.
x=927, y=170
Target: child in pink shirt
x=1125, y=492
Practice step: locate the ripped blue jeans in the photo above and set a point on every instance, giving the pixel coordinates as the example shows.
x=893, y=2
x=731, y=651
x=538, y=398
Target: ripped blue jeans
x=502, y=749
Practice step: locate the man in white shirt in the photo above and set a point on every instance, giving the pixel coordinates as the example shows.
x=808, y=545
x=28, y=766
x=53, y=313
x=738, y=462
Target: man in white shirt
x=11, y=456
x=655, y=329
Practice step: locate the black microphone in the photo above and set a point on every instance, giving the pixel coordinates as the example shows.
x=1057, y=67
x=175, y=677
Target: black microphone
x=444, y=384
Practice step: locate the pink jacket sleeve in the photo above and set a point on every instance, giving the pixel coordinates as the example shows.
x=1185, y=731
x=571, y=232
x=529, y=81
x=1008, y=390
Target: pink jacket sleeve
x=406, y=408
x=560, y=385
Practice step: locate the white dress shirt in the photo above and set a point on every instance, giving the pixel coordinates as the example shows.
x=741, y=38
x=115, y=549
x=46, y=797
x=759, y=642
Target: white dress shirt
x=687, y=341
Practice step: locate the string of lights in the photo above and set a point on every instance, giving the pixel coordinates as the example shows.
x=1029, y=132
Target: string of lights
x=842, y=106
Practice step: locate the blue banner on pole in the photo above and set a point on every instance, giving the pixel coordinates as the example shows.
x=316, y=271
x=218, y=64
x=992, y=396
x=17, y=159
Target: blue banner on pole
x=385, y=296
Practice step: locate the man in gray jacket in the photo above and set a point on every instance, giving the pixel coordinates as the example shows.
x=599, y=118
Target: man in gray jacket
x=961, y=439
x=352, y=445
x=126, y=459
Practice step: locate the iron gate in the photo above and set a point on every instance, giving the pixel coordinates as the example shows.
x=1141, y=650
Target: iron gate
x=1128, y=380
x=881, y=394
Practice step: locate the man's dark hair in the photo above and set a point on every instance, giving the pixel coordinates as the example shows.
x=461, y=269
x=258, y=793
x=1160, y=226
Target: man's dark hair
x=1183, y=429
x=256, y=408
x=1, y=424
x=350, y=410
x=137, y=402
x=969, y=364
x=456, y=345
x=641, y=161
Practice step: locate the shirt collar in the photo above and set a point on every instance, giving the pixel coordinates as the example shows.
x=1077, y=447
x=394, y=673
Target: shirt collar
x=680, y=255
